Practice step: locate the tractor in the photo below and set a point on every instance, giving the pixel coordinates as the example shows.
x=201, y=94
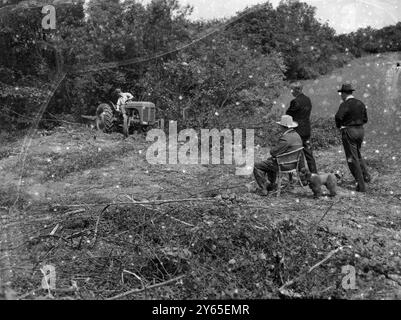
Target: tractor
x=136, y=115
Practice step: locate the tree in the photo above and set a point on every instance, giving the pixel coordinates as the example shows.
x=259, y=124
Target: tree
x=215, y=81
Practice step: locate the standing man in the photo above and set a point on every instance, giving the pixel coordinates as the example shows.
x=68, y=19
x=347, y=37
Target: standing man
x=289, y=141
x=300, y=110
x=350, y=118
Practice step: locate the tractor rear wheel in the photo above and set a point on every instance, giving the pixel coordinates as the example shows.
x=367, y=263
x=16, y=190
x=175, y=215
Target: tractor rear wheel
x=105, y=118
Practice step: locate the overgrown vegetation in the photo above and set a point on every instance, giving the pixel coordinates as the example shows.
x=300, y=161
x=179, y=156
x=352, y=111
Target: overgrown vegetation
x=324, y=133
x=225, y=255
x=234, y=67
x=369, y=40
x=232, y=244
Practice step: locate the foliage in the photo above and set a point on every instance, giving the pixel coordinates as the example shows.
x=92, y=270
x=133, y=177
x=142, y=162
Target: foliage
x=225, y=256
x=324, y=133
x=372, y=41
x=19, y=105
x=217, y=74
x=308, y=46
x=225, y=86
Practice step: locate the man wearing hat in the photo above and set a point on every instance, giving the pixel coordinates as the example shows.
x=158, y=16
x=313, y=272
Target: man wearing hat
x=350, y=118
x=289, y=141
x=300, y=110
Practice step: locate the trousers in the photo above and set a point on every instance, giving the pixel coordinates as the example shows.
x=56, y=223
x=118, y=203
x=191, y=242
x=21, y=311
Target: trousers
x=352, y=139
x=310, y=160
x=268, y=167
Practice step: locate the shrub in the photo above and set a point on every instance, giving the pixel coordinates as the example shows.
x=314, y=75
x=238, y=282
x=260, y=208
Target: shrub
x=324, y=133
x=219, y=83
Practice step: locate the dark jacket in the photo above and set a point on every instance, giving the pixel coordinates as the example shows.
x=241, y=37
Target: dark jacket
x=351, y=113
x=289, y=141
x=300, y=110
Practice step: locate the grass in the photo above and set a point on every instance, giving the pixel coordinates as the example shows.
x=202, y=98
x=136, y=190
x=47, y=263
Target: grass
x=55, y=166
x=369, y=76
x=91, y=158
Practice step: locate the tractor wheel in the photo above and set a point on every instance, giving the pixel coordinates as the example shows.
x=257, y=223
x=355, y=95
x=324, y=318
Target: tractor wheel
x=104, y=120
x=125, y=126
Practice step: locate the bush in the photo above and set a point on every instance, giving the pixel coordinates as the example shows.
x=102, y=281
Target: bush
x=324, y=133
x=219, y=83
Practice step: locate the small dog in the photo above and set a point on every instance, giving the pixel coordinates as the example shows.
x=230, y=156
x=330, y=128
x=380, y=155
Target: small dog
x=315, y=182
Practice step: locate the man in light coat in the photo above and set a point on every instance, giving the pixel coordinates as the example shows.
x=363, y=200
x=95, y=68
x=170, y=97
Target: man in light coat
x=289, y=141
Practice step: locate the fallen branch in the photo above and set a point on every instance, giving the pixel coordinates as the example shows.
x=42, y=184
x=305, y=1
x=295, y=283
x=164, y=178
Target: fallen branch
x=313, y=228
x=156, y=202
x=66, y=240
x=78, y=234
x=55, y=290
x=219, y=189
x=163, y=213
x=331, y=254
x=76, y=211
x=393, y=277
x=77, y=205
x=146, y=288
x=159, y=202
x=324, y=215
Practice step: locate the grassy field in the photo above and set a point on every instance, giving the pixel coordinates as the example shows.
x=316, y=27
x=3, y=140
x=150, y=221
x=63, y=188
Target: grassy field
x=73, y=203
x=372, y=77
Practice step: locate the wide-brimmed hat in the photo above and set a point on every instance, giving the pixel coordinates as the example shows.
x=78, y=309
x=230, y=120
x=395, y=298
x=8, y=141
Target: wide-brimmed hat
x=346, y=88
x=288, y=122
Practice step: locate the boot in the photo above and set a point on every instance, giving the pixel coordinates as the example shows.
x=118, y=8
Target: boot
x=358, y=176
x=352, y=169
x=364, y=168
x=360, y=188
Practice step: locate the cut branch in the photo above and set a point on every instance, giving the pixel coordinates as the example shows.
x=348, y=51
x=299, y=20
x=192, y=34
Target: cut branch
x=156, y=202
x=146, y=288
x=331, y=254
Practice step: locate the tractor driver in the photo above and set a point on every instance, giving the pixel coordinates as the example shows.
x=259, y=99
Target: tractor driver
x=123, y=98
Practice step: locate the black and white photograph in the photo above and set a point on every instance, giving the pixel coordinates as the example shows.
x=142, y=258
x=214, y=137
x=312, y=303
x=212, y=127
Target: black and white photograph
x=200, y=155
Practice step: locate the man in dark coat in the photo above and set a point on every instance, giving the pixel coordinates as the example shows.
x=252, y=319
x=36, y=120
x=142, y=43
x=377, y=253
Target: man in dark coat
x=289, y=141
x=300, y=110
x=350, y=118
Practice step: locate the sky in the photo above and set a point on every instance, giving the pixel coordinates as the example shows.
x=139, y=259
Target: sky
x=343, y=15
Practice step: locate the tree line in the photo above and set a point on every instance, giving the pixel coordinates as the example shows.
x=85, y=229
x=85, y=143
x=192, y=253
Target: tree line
x=221, y=72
